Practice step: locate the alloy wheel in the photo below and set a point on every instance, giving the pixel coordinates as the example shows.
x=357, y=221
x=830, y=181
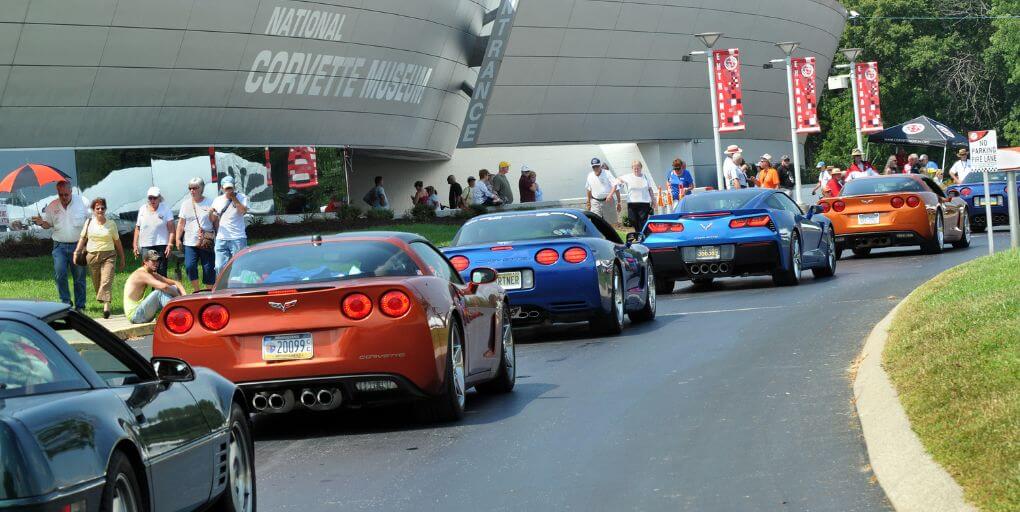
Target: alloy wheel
x=239, y=470
x=832, y=251
x=940, y=234
x=508, y=347
x=650, y=286
x=618, y=297
x=457, y=356
x=796, y=257
x=124, y=499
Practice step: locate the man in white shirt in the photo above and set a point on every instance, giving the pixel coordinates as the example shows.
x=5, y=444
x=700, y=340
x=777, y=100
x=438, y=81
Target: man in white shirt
x=599, y=187
x=962, y=167
x=228, y=212
x=732, y=173
x=66, y=216
x=640, y=190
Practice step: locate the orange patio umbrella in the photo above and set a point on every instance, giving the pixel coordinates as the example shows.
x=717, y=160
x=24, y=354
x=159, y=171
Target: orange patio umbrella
x=32, y=175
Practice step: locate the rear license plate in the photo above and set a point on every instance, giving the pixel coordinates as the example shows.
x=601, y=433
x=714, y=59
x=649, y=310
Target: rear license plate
x=866, y=219
x=287, y=347
x=708, y=252
x=980, y=201
x=509, y=280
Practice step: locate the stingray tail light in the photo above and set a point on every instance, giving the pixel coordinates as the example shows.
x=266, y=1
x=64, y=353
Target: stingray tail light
x=838, y=206
x=214, y=317
x=913, y=201
x=394, y=304
x=461, y=263
x=751, y=222
x=665, y=227
x=179, y=320
x=547, y=256
x=575, y=255
x=356, y=306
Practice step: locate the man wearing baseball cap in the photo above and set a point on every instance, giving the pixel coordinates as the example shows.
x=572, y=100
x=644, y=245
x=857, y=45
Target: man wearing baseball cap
x=732, y=174
x=228, y=212
x=599, y=187
x=768, y=177
x=501, y=185
x=139, y=309
x=154, y=227
x=823, y=178
x=526, y=185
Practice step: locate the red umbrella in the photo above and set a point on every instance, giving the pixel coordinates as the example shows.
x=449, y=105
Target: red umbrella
x=32, y=175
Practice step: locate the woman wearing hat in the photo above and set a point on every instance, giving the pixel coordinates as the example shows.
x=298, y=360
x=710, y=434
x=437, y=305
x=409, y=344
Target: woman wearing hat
x=154, y=229
x=961, y=168
x=768, y=176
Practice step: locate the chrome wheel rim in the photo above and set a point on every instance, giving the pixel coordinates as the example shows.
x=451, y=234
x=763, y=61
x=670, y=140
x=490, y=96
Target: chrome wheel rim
x=123, y=496
x=651, y=289
x=458, y=367
x=618, y=298
x=939, y=232
x=239, y=469
x=796, y=257
x=966, y=229
x=508, y=347
x=832, y=251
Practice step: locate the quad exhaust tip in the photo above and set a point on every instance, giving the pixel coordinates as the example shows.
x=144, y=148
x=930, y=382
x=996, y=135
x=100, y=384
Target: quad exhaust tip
x=307, y=398
x=276, y=401
x=260, y=402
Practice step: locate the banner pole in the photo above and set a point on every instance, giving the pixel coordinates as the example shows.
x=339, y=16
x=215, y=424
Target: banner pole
x=988, y=215
x=793, y=128
x=1014, y=210
x=715, y=121
x=857, y=109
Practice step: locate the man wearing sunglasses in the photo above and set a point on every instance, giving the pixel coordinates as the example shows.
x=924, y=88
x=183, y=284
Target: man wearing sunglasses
x=154, y=229
x=228, y=212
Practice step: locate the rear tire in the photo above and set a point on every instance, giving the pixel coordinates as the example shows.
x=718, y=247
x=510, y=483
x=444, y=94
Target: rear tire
x=830, y=259
x=240, y=495
x=790, y=276
x=938, y=241
x=506, y=376
x=611, y=323
x=862, y=252
x=964, y=241
x=839, y=251
x=122, y=491
x=978, y=229
x=449, y=405
x=664, y=285
x=647, y=312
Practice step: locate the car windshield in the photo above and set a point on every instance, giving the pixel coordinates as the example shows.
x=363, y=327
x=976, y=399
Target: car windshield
x=503, y=228
x=722, y=200
x=977, y=177
x=883, y=185
x=30, y=365
x=310, y=263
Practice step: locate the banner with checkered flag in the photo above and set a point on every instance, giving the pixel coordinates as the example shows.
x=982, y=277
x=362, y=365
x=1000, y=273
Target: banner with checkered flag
x=867, y=97
x=728, y=91
x=805, y=95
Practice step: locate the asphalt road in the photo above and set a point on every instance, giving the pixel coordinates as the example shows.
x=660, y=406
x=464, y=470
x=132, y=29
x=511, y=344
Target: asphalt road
x=738, y=397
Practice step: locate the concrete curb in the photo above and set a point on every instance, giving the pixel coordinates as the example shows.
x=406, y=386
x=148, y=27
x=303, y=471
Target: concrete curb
x=910, y=477
x=135, y=331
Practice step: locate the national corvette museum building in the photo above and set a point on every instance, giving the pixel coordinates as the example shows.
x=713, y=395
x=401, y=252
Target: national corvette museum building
x=418, y=88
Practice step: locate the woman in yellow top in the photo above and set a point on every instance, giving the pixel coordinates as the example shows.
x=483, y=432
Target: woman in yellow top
x=101, y=239
x=768, y=176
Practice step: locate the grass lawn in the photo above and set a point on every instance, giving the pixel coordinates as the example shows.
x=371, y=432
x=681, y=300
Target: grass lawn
x=954, y=356
x=32, y=278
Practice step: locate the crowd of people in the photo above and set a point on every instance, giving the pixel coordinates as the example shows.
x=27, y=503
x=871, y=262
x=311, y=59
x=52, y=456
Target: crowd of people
x=488, y=189
x=831, y=179
x=208, y=231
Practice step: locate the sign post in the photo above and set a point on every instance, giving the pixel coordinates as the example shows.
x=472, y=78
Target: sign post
x=984, y=149
x=1014, y=210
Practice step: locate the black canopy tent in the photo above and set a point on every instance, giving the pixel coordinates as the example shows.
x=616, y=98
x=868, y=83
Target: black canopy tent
x=921, y=131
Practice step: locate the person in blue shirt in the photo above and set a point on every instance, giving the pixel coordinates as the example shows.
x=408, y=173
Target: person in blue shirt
x=679, y=178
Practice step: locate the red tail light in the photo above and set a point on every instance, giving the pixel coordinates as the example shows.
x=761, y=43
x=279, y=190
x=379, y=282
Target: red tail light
x=966, y=191
x=357, y=306
x=281, y=292
x=913, y=201
x=826, y=207
x=395, y=303
x=547, y=257
x=460, y=263
x=502, y=248
x=214, y=317
x=662, y=227
x=179, y=320
x=896, y=202
x=750, y=222
x=838, y=206
x=575, y=255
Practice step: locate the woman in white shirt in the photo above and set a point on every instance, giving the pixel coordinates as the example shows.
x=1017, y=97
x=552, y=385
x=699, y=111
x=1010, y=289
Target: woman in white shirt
x=196, y=235
x=154, y=228
x=640, y=191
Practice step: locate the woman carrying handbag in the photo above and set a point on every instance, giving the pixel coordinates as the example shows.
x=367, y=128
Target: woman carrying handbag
x=196, y=236
x=98, y=247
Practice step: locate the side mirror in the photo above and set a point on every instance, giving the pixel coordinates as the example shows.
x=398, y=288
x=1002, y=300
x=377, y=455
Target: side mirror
x=814, y=209
x=172, y=370
x=633, y=238
x=483, y=275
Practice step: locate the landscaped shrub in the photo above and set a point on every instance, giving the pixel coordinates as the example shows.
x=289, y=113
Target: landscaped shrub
x=422, y=213
x=376, y=214
x=347, y=213
x=471, y=212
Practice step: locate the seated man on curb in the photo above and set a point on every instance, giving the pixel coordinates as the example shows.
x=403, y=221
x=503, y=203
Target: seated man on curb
x=139, y=309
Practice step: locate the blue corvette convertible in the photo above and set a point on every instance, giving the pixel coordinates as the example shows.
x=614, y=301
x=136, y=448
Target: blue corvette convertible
x=972, y=190
x=744, y=232
x=559, y=266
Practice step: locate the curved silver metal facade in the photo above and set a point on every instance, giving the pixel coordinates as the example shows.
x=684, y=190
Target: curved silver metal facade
x=97, y=73
x=384, y=74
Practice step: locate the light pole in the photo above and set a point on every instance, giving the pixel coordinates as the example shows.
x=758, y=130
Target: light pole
x=788, y=48
x=851, y=56
x=709, y=39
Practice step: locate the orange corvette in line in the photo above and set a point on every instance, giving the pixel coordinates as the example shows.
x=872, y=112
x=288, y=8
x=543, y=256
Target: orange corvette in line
x=351, y=319
x=896, y=210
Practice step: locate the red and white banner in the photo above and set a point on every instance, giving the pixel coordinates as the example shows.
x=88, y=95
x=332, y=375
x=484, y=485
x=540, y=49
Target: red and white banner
x=867, y=97
x=212, y=164
x=269, y=169
x=727, y=89
x=302, y=169
x=805, y=95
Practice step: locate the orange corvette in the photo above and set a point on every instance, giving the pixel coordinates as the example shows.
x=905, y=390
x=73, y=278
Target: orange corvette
x=896, y=210
x=362, y=318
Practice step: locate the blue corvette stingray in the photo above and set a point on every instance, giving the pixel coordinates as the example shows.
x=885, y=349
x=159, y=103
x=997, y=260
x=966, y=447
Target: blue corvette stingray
x=744, y=232
x=972, y=190
x=559, y=266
